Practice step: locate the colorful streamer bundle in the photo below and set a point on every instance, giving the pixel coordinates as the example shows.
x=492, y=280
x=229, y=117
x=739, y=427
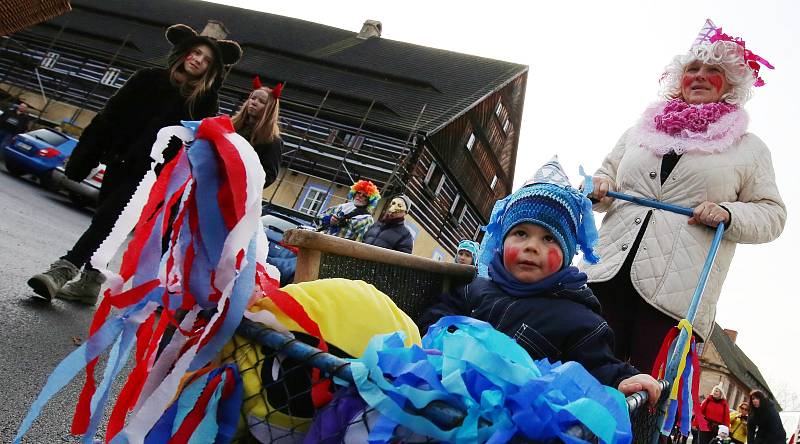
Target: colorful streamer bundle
x=468, y=364
x=207, y=203
x=207, y=410
x=682, y=402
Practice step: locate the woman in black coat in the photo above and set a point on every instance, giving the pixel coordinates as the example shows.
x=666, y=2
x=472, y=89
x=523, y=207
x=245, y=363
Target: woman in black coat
x=764, y=425
x=257, y=121
x=391, y=232
x=121, y=136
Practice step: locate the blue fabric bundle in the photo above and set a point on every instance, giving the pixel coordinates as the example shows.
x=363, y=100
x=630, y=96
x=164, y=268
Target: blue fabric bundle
x=504, y=393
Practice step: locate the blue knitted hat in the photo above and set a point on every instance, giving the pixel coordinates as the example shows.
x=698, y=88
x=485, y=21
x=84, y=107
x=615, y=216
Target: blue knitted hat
x=468, y=245
x=547, y=200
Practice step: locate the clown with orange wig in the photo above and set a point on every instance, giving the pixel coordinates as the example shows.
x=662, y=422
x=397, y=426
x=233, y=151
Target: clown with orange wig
x=353, y=218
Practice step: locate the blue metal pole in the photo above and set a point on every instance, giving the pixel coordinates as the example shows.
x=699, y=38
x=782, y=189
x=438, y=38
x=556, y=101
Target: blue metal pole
x=652, y=203
x=683, y=337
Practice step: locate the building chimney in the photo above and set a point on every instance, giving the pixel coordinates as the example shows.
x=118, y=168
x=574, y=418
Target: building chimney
x=371, y=28
x=731, y=334
x=215, y=29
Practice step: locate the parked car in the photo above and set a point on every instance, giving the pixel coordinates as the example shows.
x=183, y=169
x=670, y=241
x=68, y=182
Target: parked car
x=38, y=152
x=791, y=423
x=83, y=193
x=277, y=221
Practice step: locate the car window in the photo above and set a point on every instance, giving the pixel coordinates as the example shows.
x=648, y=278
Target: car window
x=277, y=223
x=48, y=136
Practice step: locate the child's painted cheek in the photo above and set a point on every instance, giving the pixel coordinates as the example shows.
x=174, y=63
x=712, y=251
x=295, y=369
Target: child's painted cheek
x=687, y=80
x=554, y=260
x=510, y=256
x=716, y=81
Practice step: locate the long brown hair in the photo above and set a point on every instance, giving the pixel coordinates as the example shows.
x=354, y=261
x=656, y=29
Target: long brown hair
x=266, y=128
x=193, y=90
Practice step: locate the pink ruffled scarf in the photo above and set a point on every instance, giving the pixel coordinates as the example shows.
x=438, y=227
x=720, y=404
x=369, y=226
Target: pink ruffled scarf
x=677, y=126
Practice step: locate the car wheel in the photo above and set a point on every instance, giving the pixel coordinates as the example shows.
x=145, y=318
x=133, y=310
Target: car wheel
x=77, y=199
x=14, y=170
x=46, y=181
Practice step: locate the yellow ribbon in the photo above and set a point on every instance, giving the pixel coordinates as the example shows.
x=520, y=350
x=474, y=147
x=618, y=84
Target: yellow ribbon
x=684, y=324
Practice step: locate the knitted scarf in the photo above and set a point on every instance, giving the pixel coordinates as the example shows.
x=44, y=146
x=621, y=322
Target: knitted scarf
x=568, y=278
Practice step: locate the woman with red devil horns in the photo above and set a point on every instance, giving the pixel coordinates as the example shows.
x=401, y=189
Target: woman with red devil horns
x=257, y=121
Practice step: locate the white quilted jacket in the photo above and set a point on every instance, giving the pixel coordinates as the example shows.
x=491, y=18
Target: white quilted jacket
x=667, y=265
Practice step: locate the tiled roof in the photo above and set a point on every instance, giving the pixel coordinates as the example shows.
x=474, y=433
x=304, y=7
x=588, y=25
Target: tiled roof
x=312, y=58
x=737, y=361
x=18, y=14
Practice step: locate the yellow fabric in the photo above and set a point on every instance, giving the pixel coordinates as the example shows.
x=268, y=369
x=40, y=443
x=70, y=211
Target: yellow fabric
x=682, y=325
x=738, y=427
x=349, y=313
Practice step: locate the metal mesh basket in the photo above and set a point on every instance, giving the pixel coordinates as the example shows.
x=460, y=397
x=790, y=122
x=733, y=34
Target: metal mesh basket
x=277, y=372
x=277, y=407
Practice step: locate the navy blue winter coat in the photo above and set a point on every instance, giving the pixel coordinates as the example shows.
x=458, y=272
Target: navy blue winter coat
x=392, y=235
x=561, y=325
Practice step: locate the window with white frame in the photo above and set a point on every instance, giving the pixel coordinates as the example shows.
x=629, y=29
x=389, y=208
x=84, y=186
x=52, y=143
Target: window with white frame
x=49, y=60
x=478, y=236
x=413, y=228
x=470, y=141
x=353, y=141
x=434, y=179
x=455, y=204
x=312, y=201
x=110, y=76
x=506, y=124
x=462, y=214
x=498, y=110
x=494, y=182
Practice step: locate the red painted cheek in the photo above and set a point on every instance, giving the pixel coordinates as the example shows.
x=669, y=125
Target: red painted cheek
x=554, y=260
x=687, y=80
x=716, y=81
x=510, y=256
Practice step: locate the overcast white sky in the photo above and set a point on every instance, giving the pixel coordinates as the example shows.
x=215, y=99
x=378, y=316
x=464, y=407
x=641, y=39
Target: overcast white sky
x=594, y=66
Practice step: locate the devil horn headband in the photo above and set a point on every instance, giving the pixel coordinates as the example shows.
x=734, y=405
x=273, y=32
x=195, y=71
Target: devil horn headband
x=276, y=91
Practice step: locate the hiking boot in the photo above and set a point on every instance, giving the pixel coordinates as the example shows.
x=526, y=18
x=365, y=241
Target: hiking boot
x=47, y=284
x=85, y=290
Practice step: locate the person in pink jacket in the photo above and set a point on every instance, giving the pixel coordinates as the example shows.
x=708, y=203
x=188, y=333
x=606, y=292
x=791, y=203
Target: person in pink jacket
x=691, y=149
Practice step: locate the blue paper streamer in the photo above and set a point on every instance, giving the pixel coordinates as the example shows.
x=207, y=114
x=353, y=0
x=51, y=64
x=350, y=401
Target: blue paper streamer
x=489, y=376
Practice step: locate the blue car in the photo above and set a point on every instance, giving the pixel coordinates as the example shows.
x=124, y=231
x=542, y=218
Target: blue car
x=38, y=152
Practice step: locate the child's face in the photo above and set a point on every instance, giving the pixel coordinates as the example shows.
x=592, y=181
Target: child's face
x=464, y=257
x=531, y=253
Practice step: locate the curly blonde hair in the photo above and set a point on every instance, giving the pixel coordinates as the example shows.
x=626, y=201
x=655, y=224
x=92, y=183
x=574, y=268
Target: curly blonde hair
x=727, y=55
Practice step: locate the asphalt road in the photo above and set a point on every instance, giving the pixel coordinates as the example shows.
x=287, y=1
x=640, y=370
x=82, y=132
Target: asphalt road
x=36, y=227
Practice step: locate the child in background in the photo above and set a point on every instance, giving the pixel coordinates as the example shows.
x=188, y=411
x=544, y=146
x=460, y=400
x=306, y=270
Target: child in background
x=466, y=252
x=722, y=436
x=531, y=292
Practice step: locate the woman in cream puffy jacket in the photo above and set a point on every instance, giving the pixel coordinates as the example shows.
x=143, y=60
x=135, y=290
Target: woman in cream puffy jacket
x=692, y=150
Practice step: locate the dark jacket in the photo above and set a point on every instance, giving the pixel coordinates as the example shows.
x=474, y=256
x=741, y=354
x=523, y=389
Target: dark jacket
x=764, y=425
x=122, y=134
x=14, y=122
x=562, y=325
x=269, y=154
x=392, y=235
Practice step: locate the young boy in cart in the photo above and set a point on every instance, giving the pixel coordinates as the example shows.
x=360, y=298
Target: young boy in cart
x=528, y=289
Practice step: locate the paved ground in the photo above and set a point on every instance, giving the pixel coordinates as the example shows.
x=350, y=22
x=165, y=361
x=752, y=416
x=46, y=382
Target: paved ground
x=36, y=227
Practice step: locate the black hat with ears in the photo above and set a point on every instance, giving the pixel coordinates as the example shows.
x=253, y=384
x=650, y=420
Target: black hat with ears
x=184, y=38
